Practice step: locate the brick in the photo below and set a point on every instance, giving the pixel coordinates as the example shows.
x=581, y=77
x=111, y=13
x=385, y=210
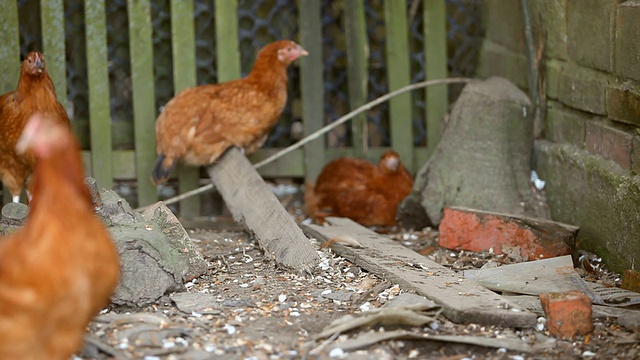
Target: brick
x=497, y=60
x=549, y=17
x=631, y=280
x=565, y=125
x=627, y=43
x=609, y=142
x=506, y=23
x=596, y=195
x=553, y=69
x=584, y=89
x=623, y=102
x=475, y=230
x=591, y=32
x=568, y=313
x=635, y=154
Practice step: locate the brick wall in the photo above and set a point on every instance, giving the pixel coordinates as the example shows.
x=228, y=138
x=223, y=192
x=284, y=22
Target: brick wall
x=589, y=150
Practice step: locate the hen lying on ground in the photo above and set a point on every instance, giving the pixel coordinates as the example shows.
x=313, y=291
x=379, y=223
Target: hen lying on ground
x=35, y=94
x=358, y=190
x=201, y=122
x=61, y=268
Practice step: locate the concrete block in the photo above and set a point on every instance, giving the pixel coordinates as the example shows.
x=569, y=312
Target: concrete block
x=584, y=89
x=627, y=42
x=598, y=196
x=565, y=125
x=609, y=142
x=520, y=237
x=548, y=17
x=504, y=23
x=497, y=60
x=591, y=32
x=635, y=154
x=623, y=102
x=568, y=313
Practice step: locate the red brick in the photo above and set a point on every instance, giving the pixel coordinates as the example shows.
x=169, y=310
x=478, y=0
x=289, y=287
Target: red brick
x=631, y=280
x=609, y=142
x=568, y=313
x=477, y=230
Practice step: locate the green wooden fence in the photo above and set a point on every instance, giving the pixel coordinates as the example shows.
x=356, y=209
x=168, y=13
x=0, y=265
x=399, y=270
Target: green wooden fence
x=108, y=165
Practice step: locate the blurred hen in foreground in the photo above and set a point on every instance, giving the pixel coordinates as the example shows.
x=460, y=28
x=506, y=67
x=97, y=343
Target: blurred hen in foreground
x=358, y=190
x=35, y=94
x=61, y=268
x=201, y=122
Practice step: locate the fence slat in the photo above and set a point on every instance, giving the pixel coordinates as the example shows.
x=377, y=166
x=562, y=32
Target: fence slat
x=398, y=75
x=53, y=45
x=227, y=51
x=435, y=44
x=312, y=87
x=184, y=76
x=357, y=69
x=144, y=114
x=98, y=79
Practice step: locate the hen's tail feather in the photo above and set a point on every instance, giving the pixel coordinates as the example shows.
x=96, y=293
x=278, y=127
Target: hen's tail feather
x=161, y=172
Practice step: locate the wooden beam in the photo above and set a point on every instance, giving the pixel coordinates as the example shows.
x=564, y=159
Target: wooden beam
x=98, y=78
x=312, y=86
x=435, y=45
x=462, y=300
x=253, y=203
x=144, y=100
x=184, y=76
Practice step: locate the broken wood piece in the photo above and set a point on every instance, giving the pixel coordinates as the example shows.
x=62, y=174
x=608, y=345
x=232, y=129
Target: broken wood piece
x=364, y=340
x=253, y=204
x=462, y=300
x=520, y=237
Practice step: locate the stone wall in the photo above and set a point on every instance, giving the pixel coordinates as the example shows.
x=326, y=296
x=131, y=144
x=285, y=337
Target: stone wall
x=589, y=149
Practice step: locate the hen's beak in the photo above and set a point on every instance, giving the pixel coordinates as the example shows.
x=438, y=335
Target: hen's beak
x=39, y=64
x=302, y=51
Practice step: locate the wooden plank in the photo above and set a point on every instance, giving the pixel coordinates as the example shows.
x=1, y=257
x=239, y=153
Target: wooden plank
x=253, y=203
x=184, y=76
x=462, y=300
x=435, y=52
x=312, y=87
x=98, y=79
x=357, y=70
x=144, y=113
x=53, y=45
x=398, y=75
x=227, y=51
x=9, y=55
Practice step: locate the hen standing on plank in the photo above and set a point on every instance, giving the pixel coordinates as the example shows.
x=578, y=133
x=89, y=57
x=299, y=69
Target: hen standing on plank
x=35, y=94
x=201, y=122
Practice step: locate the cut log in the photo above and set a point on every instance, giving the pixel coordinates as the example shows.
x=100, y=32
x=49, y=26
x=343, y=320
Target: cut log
x=253, y=204
x=462, y=300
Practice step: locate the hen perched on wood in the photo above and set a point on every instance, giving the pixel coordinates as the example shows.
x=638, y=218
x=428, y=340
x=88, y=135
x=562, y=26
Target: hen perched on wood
x=358, y=190
x=35, y=94
x=61, y=268
x=201, y=122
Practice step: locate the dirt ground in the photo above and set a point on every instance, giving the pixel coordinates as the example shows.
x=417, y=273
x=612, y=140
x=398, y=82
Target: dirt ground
x=247, y=308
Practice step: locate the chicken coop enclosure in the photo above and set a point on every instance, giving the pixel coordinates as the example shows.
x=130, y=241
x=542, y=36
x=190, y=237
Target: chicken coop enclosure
x=115, y=63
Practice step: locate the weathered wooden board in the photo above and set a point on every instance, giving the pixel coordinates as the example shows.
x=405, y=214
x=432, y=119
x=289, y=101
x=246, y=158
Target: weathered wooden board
x=253, y=203
x=462, y=300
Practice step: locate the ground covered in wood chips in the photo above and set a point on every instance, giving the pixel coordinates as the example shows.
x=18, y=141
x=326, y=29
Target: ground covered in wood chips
x=247, y=308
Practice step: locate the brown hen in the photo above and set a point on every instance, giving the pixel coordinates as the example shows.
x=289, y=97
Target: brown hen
x=359, y=190
x=201, y=122
x=61, y=267
x=35, y=94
